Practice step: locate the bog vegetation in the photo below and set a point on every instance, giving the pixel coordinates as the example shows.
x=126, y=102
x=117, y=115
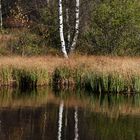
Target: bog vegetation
x=95, y=74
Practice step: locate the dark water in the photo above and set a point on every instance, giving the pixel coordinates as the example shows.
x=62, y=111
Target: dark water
x=45, y=115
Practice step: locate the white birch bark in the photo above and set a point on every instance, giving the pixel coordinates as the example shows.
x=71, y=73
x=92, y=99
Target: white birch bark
x=68, y=26
x=1, y=20
x=61, y=108
x=61, y=30
x=77, y=10
x=76, y=123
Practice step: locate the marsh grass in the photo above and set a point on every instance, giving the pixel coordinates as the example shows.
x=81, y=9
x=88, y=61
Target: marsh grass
x=23, y=77
x=94, y=73
x=31, y=78
x=96, y=81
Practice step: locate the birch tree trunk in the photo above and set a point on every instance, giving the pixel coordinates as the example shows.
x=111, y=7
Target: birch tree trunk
x=77, y=11
x=61, y=108
x=1, y=20
x=68, y=27
x=61, y=30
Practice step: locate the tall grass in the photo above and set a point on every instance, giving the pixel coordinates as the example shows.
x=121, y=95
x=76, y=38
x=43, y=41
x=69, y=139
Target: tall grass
x=6, y=76
x=96, y=74
x=23, y=77
x=30, y=78
x=95, y=81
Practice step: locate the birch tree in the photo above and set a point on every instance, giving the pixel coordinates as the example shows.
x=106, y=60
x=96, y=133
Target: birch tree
x=68, y=26
x=70, y=47
x=61, y=29
x=76, y=26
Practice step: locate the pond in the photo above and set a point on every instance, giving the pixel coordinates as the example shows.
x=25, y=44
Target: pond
x=45, y=114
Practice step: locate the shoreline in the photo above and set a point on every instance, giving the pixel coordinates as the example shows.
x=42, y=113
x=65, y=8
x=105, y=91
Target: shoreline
x=96, y=73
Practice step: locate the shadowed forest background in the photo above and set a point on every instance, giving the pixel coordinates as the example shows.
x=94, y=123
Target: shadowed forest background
x=106, y=27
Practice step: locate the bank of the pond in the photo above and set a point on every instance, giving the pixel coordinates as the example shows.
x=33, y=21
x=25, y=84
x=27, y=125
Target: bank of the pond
x=96, y=74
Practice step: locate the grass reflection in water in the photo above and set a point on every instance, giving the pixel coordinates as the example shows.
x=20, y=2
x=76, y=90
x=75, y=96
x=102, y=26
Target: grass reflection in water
x=67, y=115
x=104, y=103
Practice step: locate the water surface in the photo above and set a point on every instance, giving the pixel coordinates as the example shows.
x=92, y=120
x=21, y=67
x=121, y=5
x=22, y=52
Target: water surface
x=69, y=115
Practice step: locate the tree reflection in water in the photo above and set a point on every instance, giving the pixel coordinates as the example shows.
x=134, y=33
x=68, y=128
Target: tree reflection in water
x=61, y=108
x=44, y=115
x=76, y=123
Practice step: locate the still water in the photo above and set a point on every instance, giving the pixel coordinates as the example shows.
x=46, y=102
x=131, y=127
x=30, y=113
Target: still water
x=69, y=115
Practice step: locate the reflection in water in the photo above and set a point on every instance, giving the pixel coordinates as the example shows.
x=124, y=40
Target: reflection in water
x=61, y=107
x=44, y=124
x=76, y=123
x=41, y=115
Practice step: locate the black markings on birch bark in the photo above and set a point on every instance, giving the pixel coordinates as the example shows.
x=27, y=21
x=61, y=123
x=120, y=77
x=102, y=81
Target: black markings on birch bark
x=63, y=45
x=77, y=11
x=70, y=47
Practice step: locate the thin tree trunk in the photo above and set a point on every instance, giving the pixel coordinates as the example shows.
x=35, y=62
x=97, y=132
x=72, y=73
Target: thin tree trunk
x=61, y=30
x=76, y=25
x=1, y=20
x=61, y=108
x=68, y=26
